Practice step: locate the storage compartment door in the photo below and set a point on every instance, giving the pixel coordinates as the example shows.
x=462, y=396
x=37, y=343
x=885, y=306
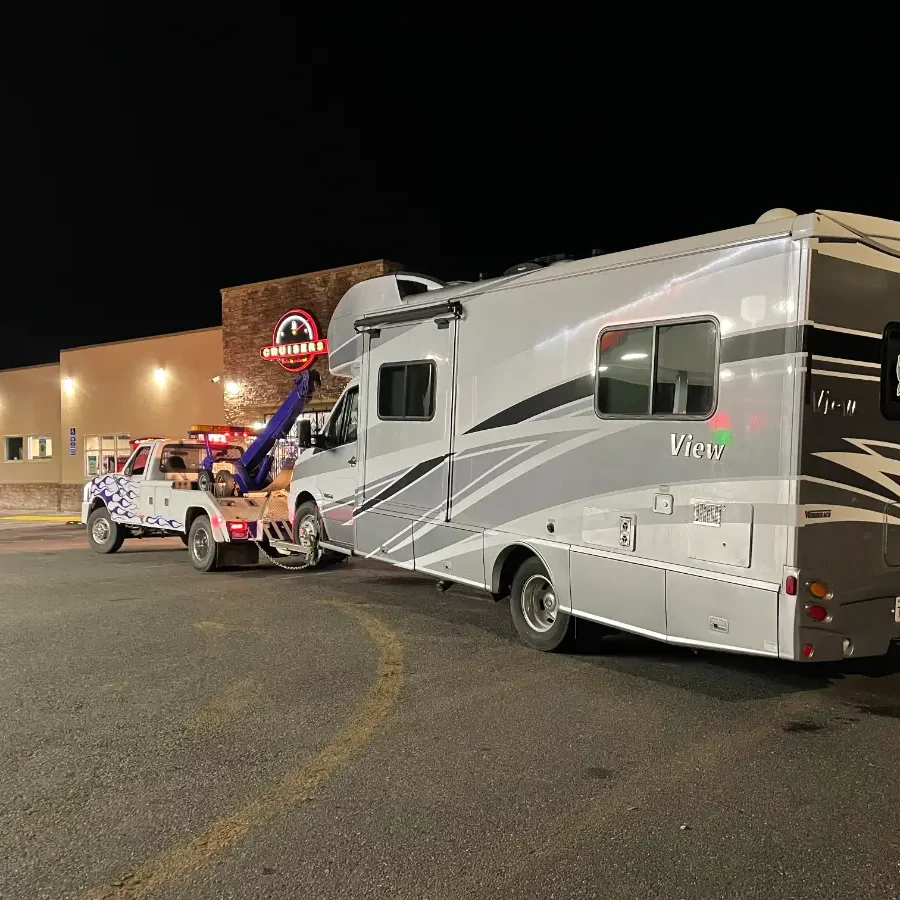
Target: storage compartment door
x=731, y=616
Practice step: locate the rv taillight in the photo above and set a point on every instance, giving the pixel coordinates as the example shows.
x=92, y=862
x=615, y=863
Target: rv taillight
x=238, y=530
x=808, y=651
x=817, y=612
x=790, y=585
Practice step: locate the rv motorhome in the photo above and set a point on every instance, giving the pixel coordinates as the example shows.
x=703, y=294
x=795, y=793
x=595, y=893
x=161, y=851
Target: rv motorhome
x=697, y=442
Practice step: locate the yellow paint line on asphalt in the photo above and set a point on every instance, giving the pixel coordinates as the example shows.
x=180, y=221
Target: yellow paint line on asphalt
x=226, y=706
x=296, y=788
x=209, y=626
x=38, y=518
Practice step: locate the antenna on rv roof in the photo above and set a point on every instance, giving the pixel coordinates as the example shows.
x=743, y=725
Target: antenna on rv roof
x=778, y=213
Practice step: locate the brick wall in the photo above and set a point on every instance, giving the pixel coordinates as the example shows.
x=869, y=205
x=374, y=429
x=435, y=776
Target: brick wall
x=49, y=497
x=249, y=315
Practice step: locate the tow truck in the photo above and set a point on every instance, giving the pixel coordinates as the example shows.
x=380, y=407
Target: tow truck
x=212, y=490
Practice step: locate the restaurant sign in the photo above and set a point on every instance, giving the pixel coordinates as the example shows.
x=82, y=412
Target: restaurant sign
x=295, y=342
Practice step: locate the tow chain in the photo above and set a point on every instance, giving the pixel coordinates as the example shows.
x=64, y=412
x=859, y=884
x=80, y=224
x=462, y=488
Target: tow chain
x=306, y=565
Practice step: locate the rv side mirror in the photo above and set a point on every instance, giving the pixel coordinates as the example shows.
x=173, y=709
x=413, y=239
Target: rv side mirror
x=304, y=433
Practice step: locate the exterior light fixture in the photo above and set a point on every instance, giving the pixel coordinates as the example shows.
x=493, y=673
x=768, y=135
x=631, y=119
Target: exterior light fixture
x=68, y=385
x=160, y=375
x=232, y=388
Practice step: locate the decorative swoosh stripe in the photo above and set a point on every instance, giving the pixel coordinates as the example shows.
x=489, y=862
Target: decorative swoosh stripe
x=840, y=345
x=742, y=347
x=404, y=481
x=560, y=395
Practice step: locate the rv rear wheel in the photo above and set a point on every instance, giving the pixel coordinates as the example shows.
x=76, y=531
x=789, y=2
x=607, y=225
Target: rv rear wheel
x=534, y=606
x=308, y=517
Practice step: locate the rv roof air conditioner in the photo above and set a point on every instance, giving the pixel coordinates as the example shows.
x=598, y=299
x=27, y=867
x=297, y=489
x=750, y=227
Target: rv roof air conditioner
x=772, y=215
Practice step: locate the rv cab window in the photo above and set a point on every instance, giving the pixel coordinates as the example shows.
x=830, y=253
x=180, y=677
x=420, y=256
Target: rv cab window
x=342, y=424
x=662, y=370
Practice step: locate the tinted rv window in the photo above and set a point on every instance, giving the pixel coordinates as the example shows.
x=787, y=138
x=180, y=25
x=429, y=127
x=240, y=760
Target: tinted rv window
x=890, y=372
x=624, y=370
x=406, y=391
x=658, y=370
x=685, y=369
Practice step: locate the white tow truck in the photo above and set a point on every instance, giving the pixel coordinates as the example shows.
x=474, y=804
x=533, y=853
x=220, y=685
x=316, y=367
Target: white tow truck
x=213, y=490
x=157, y=495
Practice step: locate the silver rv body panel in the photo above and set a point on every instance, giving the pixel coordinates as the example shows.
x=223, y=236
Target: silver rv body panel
x=681, y=527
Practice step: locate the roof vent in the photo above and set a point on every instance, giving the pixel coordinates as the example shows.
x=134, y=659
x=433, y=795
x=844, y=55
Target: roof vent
x=538, y=262
x=778, y=213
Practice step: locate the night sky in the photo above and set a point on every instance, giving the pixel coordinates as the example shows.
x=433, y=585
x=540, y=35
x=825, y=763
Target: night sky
x=155, y=160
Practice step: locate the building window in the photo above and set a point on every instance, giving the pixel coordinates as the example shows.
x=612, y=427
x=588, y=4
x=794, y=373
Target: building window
x=40, y=447
x=14, y=449
x=406, y=391
x=105, y=454
x=658, y=370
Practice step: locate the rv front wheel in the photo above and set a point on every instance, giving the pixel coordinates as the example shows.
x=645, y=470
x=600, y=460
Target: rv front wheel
x=534, y=605
x=309, y=519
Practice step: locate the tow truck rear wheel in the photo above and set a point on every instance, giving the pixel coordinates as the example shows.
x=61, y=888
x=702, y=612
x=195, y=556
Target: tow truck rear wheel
x=104, y=535
x=202, y=545
x=309, y=518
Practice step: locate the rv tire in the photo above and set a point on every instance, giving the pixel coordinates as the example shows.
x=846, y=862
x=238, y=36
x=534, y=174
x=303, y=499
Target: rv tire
x=534, y=607
x=308, y=511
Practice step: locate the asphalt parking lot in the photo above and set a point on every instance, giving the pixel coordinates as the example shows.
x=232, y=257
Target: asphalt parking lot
x=354, y=733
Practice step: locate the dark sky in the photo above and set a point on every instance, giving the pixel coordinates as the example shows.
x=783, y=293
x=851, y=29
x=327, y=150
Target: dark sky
x=154, y=160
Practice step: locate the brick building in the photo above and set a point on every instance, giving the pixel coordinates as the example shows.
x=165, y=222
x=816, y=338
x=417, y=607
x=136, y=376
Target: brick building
x=63, y=423
x=254, y=387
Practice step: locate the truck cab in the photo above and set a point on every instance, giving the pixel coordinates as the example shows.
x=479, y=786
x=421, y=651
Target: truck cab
x=140, y=497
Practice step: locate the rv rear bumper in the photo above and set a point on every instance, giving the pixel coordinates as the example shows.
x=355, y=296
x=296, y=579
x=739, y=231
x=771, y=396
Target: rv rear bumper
x=858, y=629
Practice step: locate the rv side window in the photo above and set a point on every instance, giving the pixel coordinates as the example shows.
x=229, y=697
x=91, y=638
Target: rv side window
x=625, y=368
x=406, y=391
x=685, y=373
x=890, y=372
x=657, y=370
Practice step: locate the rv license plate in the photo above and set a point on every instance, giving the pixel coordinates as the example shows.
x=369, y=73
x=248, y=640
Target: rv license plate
x=897, y=609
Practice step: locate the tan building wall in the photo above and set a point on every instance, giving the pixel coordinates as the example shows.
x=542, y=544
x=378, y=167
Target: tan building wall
x=29, y=407
x=111, y=393
x=116, y=389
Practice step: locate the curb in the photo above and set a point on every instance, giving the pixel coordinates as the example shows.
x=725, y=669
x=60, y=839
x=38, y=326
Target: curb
x=36, y=518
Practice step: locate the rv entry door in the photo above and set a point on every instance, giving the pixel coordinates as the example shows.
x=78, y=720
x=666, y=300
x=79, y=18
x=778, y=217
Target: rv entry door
x=408, y=410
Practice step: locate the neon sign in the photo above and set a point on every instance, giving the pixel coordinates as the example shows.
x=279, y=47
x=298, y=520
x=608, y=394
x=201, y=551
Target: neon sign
x=295, y=342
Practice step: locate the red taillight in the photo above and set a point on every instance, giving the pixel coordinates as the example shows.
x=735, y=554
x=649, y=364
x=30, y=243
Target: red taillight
x=808, y=651
x=816, y=612
x=790, y=585
x=239, y=531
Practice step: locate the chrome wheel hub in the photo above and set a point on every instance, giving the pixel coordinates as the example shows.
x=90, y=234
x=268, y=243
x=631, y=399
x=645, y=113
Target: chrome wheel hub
x=539, y=603
x=100, y=531
x=200, y=544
